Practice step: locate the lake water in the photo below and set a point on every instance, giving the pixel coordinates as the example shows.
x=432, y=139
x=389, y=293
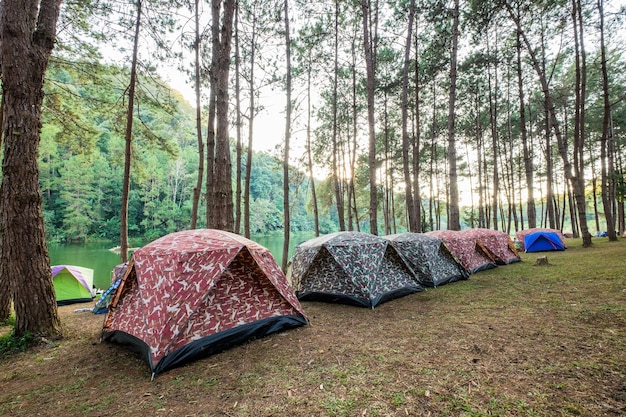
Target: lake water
x=98, y=256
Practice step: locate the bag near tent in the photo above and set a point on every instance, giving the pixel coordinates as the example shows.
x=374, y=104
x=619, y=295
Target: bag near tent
x=428, y=257
x=194, y=293
x=102, y=305
x=72, y=284
x=350, y=268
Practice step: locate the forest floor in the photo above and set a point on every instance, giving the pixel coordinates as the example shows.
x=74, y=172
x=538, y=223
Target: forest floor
x=518, y=340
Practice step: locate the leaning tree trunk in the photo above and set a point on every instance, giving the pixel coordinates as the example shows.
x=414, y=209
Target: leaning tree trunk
x=575, y=178
x=28, y=31
x=128, y=140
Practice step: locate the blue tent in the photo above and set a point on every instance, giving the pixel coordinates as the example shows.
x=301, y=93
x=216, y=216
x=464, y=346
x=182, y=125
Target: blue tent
x=543, y=241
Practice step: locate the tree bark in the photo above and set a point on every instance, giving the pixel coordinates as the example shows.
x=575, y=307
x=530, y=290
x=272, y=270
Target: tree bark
x=528, y=162
x=223, y=217
x=606, y=173
x=454, y=221
x=406, y=164
x=239, y=146
x=28, y=32
x=197, y=191
x=252, y=105
x=286, y=214
x=575, y=178
x=371, y=115
x=128, y=140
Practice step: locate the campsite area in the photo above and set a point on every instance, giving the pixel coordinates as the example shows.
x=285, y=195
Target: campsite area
x=517, y=340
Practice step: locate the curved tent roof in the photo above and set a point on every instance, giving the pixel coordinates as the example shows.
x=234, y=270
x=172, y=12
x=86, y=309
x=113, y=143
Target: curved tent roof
x=498, y=243
x=428, y=257
x=194, y=293
x=543, y=241
x=72, y=284
x=521, y=234
x=351, y=267
x=467, y=250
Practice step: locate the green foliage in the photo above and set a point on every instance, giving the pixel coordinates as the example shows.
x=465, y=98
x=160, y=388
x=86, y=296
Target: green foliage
x=11, y=344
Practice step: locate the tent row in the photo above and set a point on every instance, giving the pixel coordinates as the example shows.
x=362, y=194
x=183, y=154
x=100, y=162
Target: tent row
x=366, y=270
x=194, y=293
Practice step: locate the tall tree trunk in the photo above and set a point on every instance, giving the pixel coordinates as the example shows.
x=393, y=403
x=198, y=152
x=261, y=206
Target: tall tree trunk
x=606, y=175
x=353, y=153
x=387, y=168
x=223, y=187
x=413, y=214
x=316, y=216
x=549, y=173
x=129, y=140
x=575, y=178
x=197, y=191
x=248, y=175
x=337, y=182
x=211, y=128
x=28, y=32
x=528, y=161
x=454, y=220
x=5, y=288
x=239, y=146
x=417, y=199
x=371, y=118
x=493, y=119
x=287, y=139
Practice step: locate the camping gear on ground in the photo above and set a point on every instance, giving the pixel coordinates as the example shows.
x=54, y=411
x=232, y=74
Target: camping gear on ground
x=467, y=250
x=428, y=257
x=194, y=293
x=521, y=234
x=72, y=284
x=498, y=243
x=102, y=305
x=543, y=241
x=351, y=268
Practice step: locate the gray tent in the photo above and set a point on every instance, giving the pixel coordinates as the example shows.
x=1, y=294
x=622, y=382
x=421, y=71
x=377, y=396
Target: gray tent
x=350, y=268
x=428, y=257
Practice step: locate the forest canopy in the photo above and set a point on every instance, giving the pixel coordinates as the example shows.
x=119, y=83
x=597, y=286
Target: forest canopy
x=508, y=158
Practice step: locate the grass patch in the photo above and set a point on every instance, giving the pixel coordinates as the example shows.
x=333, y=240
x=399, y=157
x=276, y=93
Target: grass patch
x=515, y=340
x=11, y=344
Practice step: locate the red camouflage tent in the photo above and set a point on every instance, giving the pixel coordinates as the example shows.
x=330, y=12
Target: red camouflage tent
x=194, y=293
x=467, y=250
x=498, y=243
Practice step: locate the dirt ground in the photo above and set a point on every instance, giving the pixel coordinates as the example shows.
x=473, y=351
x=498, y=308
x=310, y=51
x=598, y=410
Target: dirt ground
x=518, y=340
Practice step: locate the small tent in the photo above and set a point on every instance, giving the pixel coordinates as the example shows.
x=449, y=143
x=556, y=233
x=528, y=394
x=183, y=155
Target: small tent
x=498, y=243
x=72, y=284
x=467, y=250
x=351, y=268
x=520, y=235
x=543, y=241
x=194, y=293
x=428, y=257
